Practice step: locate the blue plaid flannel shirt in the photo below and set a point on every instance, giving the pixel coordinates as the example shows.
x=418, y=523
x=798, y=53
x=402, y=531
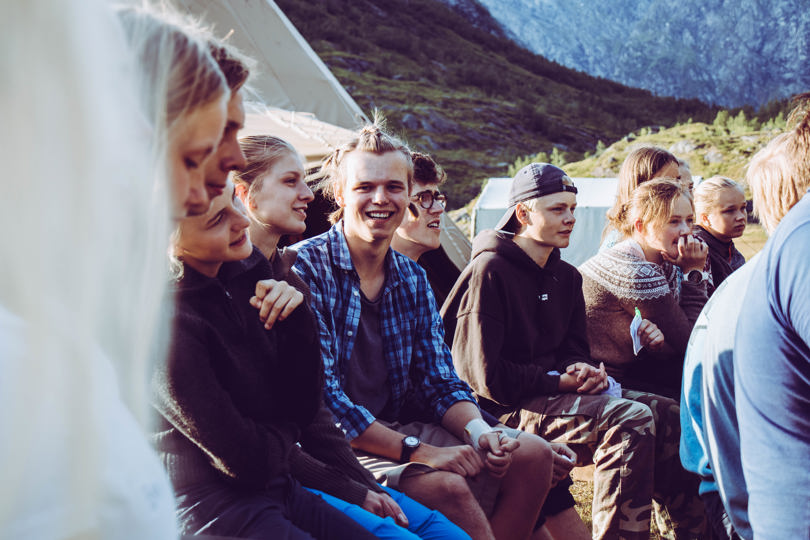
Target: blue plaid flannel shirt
x=417, y=357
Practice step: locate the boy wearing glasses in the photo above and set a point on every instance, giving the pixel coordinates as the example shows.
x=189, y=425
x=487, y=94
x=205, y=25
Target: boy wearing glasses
x=418, y=236
x=516, y=322
x=419, y=231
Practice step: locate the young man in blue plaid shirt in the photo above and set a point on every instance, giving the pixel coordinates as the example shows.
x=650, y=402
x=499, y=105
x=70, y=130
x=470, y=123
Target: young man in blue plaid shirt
x=389, y=376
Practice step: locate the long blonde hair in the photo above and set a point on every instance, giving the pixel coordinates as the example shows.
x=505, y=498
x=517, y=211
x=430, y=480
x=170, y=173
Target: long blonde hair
x=84, y=243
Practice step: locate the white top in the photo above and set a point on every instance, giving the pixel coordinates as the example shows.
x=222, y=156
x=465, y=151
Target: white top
x=74, y=459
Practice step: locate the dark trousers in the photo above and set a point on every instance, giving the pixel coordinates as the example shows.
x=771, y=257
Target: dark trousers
x=717, y=517
x=283, y=511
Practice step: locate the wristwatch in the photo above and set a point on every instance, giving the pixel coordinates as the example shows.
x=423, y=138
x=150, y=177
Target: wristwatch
x=409, y=446
x=696, y=276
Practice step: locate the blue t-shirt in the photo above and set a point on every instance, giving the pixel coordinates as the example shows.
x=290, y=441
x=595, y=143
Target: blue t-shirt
x=710, y=440
x=772, y=381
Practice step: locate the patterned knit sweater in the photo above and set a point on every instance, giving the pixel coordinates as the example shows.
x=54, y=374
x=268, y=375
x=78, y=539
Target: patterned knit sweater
x=615, y=282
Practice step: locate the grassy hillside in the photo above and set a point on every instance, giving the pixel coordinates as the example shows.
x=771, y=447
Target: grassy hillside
x=475, y=100
x=722, y=147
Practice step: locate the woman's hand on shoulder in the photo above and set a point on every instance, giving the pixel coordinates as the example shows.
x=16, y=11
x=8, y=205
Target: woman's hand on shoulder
x=275, y=300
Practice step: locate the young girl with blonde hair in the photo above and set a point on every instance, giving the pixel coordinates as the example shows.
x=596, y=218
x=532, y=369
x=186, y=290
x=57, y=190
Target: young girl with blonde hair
x=721, y=214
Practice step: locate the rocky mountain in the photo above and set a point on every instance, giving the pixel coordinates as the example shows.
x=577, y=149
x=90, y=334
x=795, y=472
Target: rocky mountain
x=728, y=52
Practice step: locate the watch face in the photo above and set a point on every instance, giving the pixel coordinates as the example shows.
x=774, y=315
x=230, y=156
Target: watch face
x=411, y=441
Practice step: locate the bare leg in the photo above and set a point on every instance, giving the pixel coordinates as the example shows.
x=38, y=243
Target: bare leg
x=566, y=525
x=449, y=494
x=524, y=489
x=542, y=534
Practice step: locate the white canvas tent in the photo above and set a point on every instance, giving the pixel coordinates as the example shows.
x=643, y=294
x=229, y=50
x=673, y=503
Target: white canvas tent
x=290, y=74
x=298, y=97
x=595, y=197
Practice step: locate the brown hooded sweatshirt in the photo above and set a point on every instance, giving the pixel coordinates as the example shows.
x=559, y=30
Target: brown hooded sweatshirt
x=509, y=322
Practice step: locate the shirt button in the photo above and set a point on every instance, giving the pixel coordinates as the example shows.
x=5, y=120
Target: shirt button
x=349, y=332
x=356, y=293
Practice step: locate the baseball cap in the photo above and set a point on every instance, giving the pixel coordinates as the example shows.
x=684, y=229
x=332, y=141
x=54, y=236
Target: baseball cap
x=532, y=181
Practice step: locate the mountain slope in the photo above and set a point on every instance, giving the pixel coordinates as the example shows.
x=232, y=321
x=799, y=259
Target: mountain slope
x=730, y=53
x=474, y=99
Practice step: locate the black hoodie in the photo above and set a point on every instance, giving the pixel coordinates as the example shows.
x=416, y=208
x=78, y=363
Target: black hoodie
x=511, y=322
x=236, y=398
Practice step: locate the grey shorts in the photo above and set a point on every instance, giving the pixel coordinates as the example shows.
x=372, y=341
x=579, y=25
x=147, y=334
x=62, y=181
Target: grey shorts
x=484, y=487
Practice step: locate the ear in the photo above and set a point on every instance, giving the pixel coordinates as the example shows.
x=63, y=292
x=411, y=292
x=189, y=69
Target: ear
x=339, y=200
x=522, y=214
x=638, y=226
x=704, y=219
x=242, y=192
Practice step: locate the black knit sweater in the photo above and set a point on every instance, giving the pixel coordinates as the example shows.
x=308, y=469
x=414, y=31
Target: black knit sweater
x=236, y=398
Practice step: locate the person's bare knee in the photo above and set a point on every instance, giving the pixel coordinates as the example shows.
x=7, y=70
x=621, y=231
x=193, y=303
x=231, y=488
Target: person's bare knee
x=450, y=494
x=534, y=457
x=567, y=525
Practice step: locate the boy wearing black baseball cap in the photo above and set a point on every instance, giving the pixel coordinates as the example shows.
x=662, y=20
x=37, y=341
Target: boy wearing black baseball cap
x=516, y=323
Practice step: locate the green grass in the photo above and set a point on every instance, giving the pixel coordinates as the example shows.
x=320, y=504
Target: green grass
x=752, y=240
x=582, y=490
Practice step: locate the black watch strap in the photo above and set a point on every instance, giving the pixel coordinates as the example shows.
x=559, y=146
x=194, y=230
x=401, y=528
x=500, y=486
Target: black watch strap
x=409, y=446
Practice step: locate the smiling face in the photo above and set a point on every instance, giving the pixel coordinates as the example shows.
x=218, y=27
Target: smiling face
x=728, y=217
x=660, y=237
x=549, y=220
x=280, y=203
x=373, y=195
x=419, y=234
x=219, y=235
x=192, y=140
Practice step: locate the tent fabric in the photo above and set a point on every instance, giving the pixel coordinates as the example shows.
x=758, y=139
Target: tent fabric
x=594, y=199
x=290, y=74
x=313, y=138
x=299, y=99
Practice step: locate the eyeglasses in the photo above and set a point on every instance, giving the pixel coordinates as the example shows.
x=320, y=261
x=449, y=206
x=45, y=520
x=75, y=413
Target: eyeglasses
x=427, y=198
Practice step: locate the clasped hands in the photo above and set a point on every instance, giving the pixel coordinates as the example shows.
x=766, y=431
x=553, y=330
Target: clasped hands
x=583, y=378
x=495, y=455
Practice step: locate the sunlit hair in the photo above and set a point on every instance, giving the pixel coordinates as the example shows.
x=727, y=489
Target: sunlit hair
x=177, y=73
x=83, y=272
x=774, y=183
x=371, y=138
x=262, y=152
x=652, y=202
x=640, y=166
x=707, y=193
x=234, y=65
